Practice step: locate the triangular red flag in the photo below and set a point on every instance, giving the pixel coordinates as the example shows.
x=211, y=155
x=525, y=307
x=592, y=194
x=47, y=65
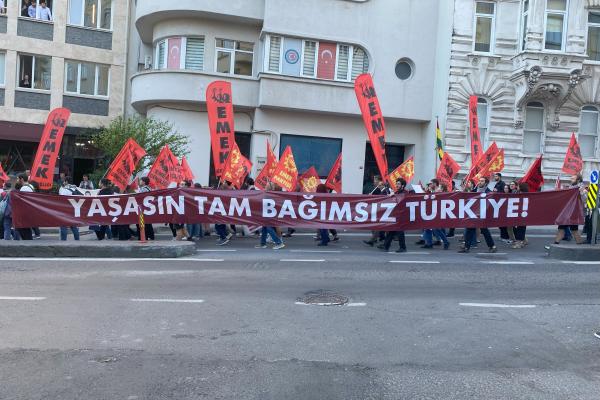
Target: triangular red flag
x=188, y=175
x=534, y=177
x=406, y=170
x=334, y=179
x=573, y=161
x=236, y=167
x=164, y=170
x=3, y=176
x=286, y=172
x=447, y=170
x=123, y=166
x=310, y=180
x=268, y=170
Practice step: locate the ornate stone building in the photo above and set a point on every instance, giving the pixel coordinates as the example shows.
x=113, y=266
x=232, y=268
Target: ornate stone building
x=535, y=66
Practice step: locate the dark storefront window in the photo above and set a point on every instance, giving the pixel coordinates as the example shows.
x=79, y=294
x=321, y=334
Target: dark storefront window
x=311, y=151
x=395, y=157
x=16, y=157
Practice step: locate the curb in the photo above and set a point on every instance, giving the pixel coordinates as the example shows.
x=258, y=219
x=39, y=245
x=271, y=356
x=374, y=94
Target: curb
x=582, y=252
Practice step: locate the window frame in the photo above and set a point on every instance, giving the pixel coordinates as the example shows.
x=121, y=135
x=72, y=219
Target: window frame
x=99, y=2
x=3, y=76
x=182, y=54
x=96, y=81
x=522, y=27
x=337, y=140
x=493, y=27
x=267, y=58
x=565, y=15
x=37, y=5
x=316, y=62
x=488, y=108
x=32, y=77
x=596, y=134
x=587, y=33
x=543, y=131
x=233, y=52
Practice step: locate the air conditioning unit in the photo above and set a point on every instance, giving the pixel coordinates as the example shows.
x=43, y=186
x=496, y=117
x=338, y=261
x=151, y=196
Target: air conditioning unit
x=148, y=62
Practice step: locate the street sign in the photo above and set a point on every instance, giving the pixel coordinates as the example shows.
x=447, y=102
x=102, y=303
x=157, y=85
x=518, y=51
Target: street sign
x=594, y=177
x=592, y=198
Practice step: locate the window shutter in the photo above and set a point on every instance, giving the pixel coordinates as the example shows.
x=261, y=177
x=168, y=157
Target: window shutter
x=274, y=53
x=161, y=55
x=343, y=59
x=194, y=54
x=360, y=62
x=310, y=53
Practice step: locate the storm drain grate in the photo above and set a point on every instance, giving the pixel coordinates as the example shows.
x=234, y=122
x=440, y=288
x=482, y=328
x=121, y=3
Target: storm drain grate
x=323, y=298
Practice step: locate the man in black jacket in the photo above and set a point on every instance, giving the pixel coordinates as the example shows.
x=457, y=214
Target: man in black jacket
x=389, y=236
x=499, y=186
x=471, y=233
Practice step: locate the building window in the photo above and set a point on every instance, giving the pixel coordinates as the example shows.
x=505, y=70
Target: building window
x=312, y=151
x=86, y=78
x=588, y=131
x=234, y=57
x=324, y=60
x=35, y=72
x=593, y=39
x=2, y=68
x=38, y=9
x=91, y=13
x=533, y=135
x=556, y=20
x=180, y=53
x=3, y=7
x=484, y=26
x=524, y=24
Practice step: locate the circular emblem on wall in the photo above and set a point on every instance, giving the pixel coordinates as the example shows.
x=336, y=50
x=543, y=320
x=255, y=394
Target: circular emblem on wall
x=292, y=56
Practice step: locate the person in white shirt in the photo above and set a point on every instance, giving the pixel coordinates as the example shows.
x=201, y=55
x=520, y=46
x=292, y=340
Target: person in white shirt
x=45, y=13
x=68, y=190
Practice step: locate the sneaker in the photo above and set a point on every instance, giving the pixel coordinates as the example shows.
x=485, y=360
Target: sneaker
x=223, y=242
x=450, y=235
x=463, y=250
x=401, y=250
x=38, y=237
x=369, y=243
x=446, y=246
x=493, y=249
x=279, y=246
x=335, y=239
x=269, y=240
x=229, y=236
x=260, y=246
x=547, y=247
x=597, y=334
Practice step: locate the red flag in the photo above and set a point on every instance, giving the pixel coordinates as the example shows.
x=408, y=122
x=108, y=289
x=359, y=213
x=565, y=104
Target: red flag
x=176, y=171
x=476, y=148
x=163, y=171
x=310, y=180
x=478, y=165
x=448, y=170
x=334, y=179
x=42, y=170
x=3, y=176
x=573, y=161
x=286, y=172
x=123, y=165
x=534, y=177
x=495, y=165
x=219, y=105
x=406, y=171
x=326, y=60
x=188, y=175
x=373, y=119
x=236, y=167
x=174, y=56
x=268, y=170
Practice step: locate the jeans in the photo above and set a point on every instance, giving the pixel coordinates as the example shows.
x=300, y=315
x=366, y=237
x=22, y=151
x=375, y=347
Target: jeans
x=194, y=230
x=7, y=225
x=439, y=233
x=324, y=235
x=267, y=230
x=221, y=230
x=471, y=237
x=64, y=231
x=389, y=237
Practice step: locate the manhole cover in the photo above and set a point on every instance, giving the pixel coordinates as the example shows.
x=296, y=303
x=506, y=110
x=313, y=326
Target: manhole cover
x=323, y=298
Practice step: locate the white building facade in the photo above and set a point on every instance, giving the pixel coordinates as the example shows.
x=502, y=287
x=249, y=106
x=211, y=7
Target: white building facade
x=535, y=66
x=292, y=65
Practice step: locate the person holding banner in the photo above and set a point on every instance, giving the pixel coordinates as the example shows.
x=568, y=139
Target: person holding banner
x=471, y=233
x=576, y=182
x=23, y=181
x=389, y=236
x=68, y=190
x=221, y=229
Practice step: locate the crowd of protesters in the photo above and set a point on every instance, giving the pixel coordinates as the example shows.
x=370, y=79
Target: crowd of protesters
x=515, y=236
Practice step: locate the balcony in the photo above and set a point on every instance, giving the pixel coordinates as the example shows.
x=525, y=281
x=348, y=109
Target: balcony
x=151, y=12
x=186, y=87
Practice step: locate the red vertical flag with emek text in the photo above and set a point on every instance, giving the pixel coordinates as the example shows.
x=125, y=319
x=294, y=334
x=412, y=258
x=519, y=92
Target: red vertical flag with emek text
x=219, y=105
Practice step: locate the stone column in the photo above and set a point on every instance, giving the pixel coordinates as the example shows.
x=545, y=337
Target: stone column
x=577, y=27
x=535, y=25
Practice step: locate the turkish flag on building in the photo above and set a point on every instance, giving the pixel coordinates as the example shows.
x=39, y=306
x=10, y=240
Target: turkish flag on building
x=236, y=168
x=447, y=170
x=534, y=177
x=286, y=172
x=174, y=56
x=310, y=180
x=406, y=170
x=163, y=171
x=476, y=147
x=326, y=60
x=120, y=170
x=186, y=171
x=268, y=170
x=334, y=179
x=573, y=161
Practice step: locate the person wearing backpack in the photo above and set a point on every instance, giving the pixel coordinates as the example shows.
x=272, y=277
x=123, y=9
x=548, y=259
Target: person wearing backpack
x=68, y=190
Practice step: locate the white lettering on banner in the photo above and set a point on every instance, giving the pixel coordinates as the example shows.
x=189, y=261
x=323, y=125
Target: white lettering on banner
x=339, y=214
x=447, y=211
x=361, y=209
x=513, y=207
x=77, y=206
x=307, y=215
x=149, y=207
x=237, y=208
x=465, y=211
x=217, y=206
x=179, y=206
x=200, y=200
x=268, y=209
x=389, y=208
x=115, y=208
x=496, y=206
x=131, y=207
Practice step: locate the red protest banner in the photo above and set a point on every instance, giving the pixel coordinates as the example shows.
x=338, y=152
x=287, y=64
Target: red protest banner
x=309, y=180
x=286, y=172
x=124, y=164
x=236, y=167
x=373, y=119
x=447, y=170
x=42, y=171
x=334, y=179
x=534, y=177
x=406, y=171
x=163, y=171
x=268, y=170
x=573, y=161
x=188, y=175
x=219, y=105
x=321, y=210
x=476, y=148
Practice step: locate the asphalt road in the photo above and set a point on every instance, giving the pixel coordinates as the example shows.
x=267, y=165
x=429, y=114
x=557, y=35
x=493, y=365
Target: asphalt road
x=228, y=323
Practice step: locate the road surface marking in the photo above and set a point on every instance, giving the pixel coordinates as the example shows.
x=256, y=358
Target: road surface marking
x=487, y=305
x=582, y=262
x=492, y=254
x=79, y=259
x=167, y=300
x=510, y=262
x=299, y=260
x=356, y=304
x=315, y=251
x=217, y=251
x=22, y=298
x=412, y=253
x=413, y=262
x=300, y=303
x=154, y=273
